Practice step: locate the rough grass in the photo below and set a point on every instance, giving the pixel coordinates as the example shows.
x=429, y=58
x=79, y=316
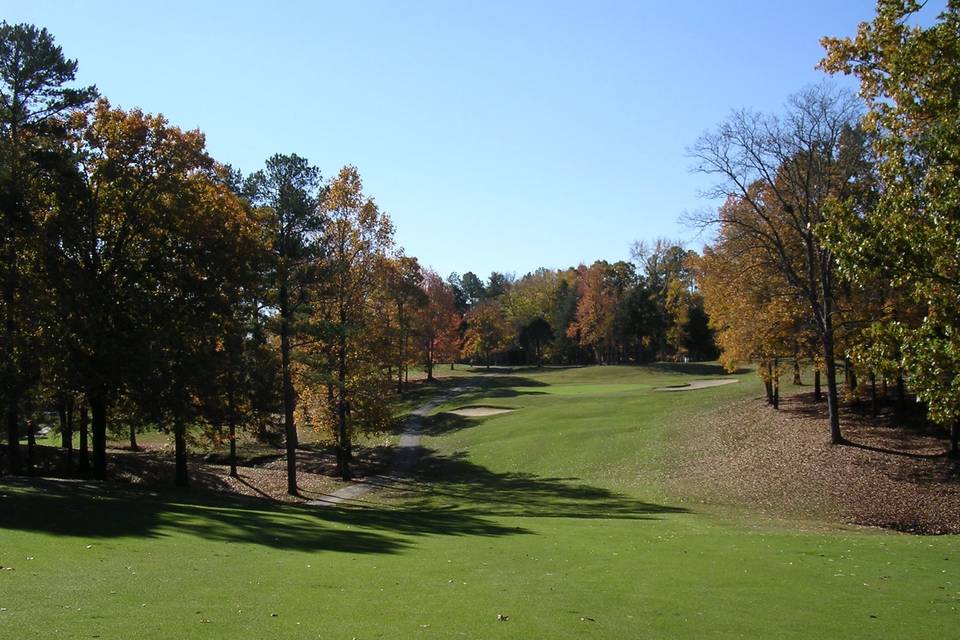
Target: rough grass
x=552, y=517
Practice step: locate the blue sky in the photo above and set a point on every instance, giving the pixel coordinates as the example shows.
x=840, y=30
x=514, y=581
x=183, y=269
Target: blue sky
x=498, y=135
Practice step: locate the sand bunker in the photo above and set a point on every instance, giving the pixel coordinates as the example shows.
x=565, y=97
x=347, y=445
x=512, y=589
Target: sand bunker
x=699, y=384
x=479, y=412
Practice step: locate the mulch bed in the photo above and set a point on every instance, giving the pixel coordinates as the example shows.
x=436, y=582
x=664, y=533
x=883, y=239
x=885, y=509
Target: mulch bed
x=782, y=463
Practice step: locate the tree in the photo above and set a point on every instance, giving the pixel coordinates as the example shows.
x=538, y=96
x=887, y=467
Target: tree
x=487, y=331
x=527, y=305
x=756, y=316
x=537, y=333
x=562, y=317
x=908, y=78
x=459, y=296
x=438, y=323
x=404, y=280
x=357, y=237
x=117, y=218
x=596, y=311
x=667, y=280
x=214, y=255
x=473, y=288
x=34, y=101
x=497, y=285
x=785, y=171
x=288, y=192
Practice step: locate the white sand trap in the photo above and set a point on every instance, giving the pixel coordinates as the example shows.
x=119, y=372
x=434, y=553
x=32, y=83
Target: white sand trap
x=699, y=384
x=478, y=412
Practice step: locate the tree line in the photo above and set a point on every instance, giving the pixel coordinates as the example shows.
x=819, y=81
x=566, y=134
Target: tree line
x=143, y=282
x=605, y=313
x=839, y=237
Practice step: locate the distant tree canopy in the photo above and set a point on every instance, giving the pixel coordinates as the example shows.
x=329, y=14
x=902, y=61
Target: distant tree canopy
x=603, y=313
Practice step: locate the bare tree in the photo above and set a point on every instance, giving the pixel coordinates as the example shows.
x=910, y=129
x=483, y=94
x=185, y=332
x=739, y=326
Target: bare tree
x=785, y=170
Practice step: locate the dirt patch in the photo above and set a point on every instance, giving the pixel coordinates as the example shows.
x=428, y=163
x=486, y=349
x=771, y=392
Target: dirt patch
x=782, y=463
x=698, y=384
x=479, y=412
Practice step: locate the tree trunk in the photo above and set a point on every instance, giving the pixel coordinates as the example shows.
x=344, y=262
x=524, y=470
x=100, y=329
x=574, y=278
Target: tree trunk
x=84, y=439
x=98, y=411
x=776, y=384
x=69, y=426
x=955, y=439
x=833, y=397
x=13, y=438
x=873, y=394
x=817, y=391
x=180, y=453
x=233, y=447
x=289, y=427
x=62, y=412
x=768, y=382
x=796, y=373
x=232, y=422
x=31, y=444
x=849, y=375
x=901, y=392
x=133, y=438
x=343, y=436
x=402, y=343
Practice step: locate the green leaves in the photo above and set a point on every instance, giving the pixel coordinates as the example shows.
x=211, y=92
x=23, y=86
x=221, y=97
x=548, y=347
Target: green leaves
x=910, y=79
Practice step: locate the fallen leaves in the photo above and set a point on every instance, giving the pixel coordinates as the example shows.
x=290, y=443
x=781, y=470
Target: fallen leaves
x=781, y=463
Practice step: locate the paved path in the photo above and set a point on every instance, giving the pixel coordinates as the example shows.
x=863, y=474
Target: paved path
x=405, y=456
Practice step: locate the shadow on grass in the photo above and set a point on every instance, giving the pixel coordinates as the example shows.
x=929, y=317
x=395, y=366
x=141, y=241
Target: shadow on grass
x=442, y=423
x=95, y=511
x=479, y=490
x=449, y=496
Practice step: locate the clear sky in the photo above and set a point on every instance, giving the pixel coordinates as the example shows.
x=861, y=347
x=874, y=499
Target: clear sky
x=498, y=135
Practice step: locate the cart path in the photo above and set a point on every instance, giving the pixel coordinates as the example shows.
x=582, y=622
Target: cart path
x=405, y=456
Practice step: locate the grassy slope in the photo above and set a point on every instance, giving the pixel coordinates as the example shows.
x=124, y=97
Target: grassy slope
x=550, y=515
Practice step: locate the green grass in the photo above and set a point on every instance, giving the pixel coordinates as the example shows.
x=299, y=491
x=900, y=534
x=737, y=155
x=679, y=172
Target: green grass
x=552, y=515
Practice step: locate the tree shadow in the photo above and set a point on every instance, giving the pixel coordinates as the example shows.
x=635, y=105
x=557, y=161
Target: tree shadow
x=889, y=432
x=89, y=511
x=479, y=490
x=893, y=443
x=441, y=423
x=894, y=452
x=471, y=386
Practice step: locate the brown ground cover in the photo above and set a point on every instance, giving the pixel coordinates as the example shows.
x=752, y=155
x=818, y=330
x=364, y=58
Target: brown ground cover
x=781, y=462
x=263, y=476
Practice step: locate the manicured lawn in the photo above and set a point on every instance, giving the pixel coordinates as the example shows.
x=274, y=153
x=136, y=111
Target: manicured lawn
x=551, y=515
